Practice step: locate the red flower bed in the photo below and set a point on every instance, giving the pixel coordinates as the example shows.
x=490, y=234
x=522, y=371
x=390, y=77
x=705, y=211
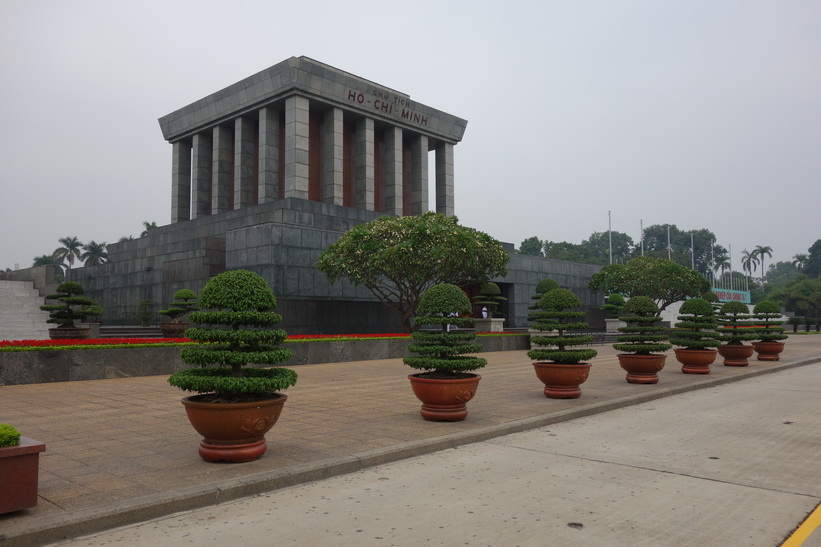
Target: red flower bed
x=89, y=342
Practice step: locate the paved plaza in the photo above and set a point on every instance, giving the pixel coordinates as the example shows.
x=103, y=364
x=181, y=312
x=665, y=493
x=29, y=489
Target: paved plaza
x=121, y=451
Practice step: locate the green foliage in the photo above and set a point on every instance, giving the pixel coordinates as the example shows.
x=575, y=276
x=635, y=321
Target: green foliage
x=398, y=258
x=185, y=301
x=544, y=286
x=768, y=314
x=813, y=265
x=658, y=278
x=642, y=335
x=232, y=331
x=555, y=314
x=145, y=311
x=732, y=320
x=531, y=246
x=490, y=295
x=613, y=304
x=593, y=250
x=74, y=306
x=696, y=326
x=445, y=352
x=9, y=436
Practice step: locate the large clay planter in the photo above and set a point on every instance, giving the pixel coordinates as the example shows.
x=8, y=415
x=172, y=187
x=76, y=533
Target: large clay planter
x=735, y=355
x=173, y=330
x=233, y=432
x=695, y=361
x=69, y=333
x=562, y=381
x=768, y=351
x=19, y=470
x=642, y=369
x=444, y=400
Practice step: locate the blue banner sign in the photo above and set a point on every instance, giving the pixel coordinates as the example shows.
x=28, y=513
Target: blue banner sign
x=727, y=295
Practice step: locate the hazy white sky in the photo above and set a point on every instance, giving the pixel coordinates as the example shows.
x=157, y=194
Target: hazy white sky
x=703, y=114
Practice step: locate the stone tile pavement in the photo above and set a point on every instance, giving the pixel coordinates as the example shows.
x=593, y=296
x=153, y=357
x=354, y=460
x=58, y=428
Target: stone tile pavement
x=121, y=450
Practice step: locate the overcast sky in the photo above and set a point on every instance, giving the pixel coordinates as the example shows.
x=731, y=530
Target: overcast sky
x=698, y=113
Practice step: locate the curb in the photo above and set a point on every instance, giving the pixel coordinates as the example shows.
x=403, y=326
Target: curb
x=90, y=521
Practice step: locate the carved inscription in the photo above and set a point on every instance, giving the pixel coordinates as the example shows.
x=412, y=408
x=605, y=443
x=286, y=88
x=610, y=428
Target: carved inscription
x=388, y=103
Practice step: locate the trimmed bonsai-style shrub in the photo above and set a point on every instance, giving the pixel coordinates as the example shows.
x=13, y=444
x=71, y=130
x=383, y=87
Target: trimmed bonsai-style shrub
x=542, y=287
x=184, y=302
x=9, y=436
x=555, y=313
x=642, y=335
x=490, y=296
x=734, y=323
x=145, y=311
x=768, y=316
x=613, y=305
x=696, y=326
x=235, y=329
x=443, y=353
x=74, y=306
x=712, y=298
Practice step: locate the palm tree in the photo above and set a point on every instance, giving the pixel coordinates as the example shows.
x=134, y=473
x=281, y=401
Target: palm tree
x=749, y=262
x=760, y=251
x=148, y=226
x=94, y=253
x=125, y=238
x=800, y=261
x=50, y=260
x=70, y=250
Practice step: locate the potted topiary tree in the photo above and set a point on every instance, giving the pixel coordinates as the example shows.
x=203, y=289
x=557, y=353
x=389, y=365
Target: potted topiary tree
x=770, y=332
x=448, y=383
x=184, y=302
x=542, y=287
x=642, y=341
x=145, y=311
x=73, y=307
x=613, y=306
x=734, y=328
x=695, y=333
x=19, y=469
x=236, y=405
x=560, y=369
x=488, y=301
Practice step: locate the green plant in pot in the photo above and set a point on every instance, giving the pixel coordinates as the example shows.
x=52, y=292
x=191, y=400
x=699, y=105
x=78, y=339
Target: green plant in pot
x=74, y=306
x=734, y=328
x=444, y=354
x=559, y=367
x=613, y=306
x=769, y=332
x=19, y=470
x=488, y=302
x=695, y=333
x=642, y=341
x=145, y=311
x=183, y=303
x=236, y=404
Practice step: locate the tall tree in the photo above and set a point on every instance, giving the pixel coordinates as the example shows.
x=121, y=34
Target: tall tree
x=658, y=278
x=398, y=258
x=760, y=252
x=148, y=226
x=562, y=250
x=800, y=261
x=51, y=260
x=597, y=247
x=70, y=250
x=531, y=246
x=94, y=253
x=749, y=262
x=813, y=266
x=694, y=247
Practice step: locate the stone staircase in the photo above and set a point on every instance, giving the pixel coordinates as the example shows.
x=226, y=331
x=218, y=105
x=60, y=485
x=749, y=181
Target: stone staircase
x=20, y=315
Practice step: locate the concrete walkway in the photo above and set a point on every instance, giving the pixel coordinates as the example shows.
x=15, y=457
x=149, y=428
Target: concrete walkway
x=121, y=451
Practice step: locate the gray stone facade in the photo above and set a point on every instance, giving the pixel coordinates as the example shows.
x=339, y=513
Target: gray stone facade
x=270, y=171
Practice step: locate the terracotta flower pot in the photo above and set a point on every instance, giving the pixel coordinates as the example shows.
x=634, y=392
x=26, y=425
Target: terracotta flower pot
x=735, y=355
x=173, y=330
x=642, y=369
x=69, y=333
x=768, y=351
x=19, y=470
x=562, y=381
x=444, y=400
x=233, y=432
x=695, y=361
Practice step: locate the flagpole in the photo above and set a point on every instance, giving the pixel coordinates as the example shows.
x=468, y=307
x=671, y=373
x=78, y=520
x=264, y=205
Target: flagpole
x=641, y=225
x=610, y=236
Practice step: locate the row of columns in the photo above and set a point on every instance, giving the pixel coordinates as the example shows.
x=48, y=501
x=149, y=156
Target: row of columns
x=230, y=167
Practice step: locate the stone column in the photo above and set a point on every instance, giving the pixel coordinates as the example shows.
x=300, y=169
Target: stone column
x=393, y=171
x=268, y=172
x=201, y=177
x=296, y=147
x=444, y=179
x=332, y=179
x=364, y=164
x=243, y=163
x=222, y=157
x=419, y=175
x=181, y=181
